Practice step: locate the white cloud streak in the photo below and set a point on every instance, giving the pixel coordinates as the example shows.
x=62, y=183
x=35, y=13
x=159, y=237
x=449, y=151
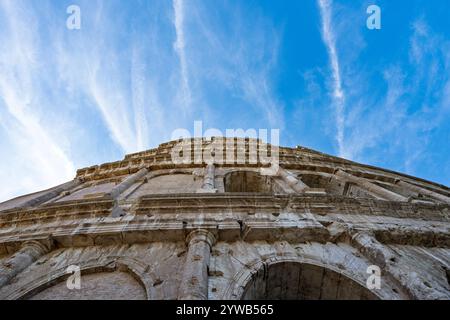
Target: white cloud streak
x=397, y=122
x=116, y=81
x=179, y=46
x=114, y=84
x=338, y=93
x=139, y=101
x=114, y=109
x=134, y=91
x=34, y=146
x=239, y=59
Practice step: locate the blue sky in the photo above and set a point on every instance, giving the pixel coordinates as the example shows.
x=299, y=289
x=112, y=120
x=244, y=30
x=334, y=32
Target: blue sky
x=138, y=70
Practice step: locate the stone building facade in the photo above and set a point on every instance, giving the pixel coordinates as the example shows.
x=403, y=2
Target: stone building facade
x=148, y=227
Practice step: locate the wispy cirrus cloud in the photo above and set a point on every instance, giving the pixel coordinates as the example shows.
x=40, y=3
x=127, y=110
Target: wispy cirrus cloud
x=235, y=55
x=391, y=121
x=124, y=80
x=34, y=149
x=406, y=115
x=179, y=46
x=69, y=98
x=76, y=98
x=137, y=71
x=338, y=95
x=139, y=99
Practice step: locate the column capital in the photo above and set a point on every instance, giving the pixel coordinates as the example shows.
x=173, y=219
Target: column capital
x=43, y=246
x=199, y=235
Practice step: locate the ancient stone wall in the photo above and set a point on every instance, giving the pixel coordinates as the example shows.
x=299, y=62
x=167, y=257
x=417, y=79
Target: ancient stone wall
x=148, y=228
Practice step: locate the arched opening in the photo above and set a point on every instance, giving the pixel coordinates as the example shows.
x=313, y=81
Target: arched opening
x=302, y=281
x=248, y=181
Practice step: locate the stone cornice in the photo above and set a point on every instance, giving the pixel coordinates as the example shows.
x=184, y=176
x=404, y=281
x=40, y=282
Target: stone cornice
x=248, y=203
x=60, y=210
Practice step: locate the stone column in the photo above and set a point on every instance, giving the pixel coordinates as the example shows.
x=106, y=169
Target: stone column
x=23, y=258
x=194, y=285
x=292, y=181
x=128, y=182
x=371, y=248
x=117, y=211
x=424, y=191
x=369, y=186
x=208, y=180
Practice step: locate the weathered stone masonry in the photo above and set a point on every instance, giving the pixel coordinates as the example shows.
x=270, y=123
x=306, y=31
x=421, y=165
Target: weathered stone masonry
x=147, y=228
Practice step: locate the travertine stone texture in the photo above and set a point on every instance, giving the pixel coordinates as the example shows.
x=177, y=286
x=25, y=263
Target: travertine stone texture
x=207, y=227
x=98, y=286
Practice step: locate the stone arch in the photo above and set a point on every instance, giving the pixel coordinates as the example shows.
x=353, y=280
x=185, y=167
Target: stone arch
x=250, y=181
x=261, y=279
x=127, y=266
